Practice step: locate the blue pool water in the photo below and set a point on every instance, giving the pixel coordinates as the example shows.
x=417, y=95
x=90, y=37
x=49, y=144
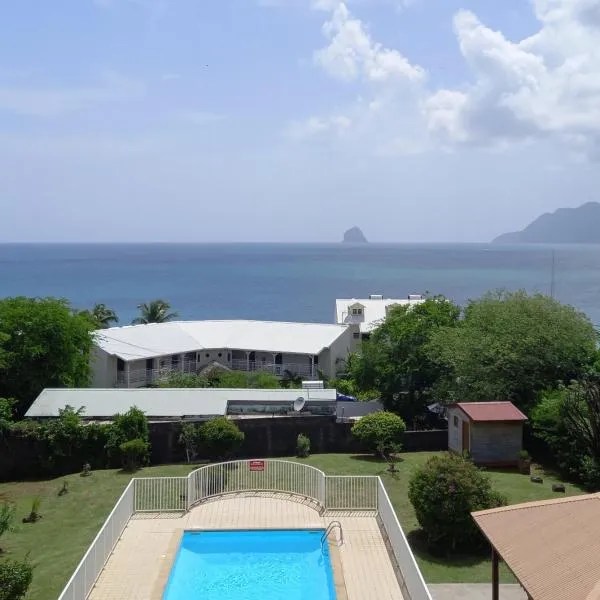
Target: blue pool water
x=251, y=565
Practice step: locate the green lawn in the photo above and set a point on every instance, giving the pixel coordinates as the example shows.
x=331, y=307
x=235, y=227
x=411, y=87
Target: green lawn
x=69, y=523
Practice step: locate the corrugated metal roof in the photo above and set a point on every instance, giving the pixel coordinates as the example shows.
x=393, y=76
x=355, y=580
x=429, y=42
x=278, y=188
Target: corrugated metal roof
x=135, y=342
x=374, y=310
x=160, y=402
x=552, y=546
x=491, y=411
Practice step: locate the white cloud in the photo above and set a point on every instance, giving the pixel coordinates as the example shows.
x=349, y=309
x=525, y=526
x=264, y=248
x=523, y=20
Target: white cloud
x=547, y=85
x=312, y=126
x=48, y=102
x=352, y=54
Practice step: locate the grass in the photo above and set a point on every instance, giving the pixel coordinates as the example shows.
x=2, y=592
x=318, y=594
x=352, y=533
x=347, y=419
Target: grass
x=69, y=523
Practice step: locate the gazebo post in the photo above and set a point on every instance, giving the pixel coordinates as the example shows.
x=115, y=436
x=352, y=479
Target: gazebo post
x=495, y=575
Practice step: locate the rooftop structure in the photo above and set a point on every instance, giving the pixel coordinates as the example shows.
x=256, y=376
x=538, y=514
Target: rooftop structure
x=370, y=312
x=491, y=411
x=180, y=403
x=551, y=546
x=137, y=355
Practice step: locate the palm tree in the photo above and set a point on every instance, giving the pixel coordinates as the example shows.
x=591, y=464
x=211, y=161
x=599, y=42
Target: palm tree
x=156, y=311
x=103, y=316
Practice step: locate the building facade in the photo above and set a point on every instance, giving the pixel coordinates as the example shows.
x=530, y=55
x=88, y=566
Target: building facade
x=138, y=355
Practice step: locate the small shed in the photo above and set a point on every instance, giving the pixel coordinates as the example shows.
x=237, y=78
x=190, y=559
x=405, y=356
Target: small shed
x=492, y=432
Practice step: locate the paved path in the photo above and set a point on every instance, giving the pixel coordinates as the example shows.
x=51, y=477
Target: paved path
x=474, y=591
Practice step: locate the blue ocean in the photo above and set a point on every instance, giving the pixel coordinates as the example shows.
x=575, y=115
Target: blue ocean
x=290, y=282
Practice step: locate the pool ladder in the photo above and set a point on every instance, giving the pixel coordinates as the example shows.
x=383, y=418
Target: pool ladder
x=329, y=529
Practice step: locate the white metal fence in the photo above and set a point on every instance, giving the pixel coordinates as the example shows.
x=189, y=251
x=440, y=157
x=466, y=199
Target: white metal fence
x=257, y=475
x=95, y=558
x=413, y=584
x=179, y=494
x=160, y=494
x=349, y=492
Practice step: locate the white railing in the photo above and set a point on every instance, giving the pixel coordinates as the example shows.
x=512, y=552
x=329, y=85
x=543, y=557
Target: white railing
x=258, y=476
x=139, y=377
x=88, y=570
x=413, y=584
x=179, y=494
x=348, y=492
x=161, y=494
x=303, y=370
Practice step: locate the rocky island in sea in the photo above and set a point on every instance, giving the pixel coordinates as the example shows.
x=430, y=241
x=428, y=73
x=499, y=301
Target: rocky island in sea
x=354, y=236
x=579, y=225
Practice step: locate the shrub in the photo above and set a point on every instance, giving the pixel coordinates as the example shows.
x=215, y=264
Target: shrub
x=134, y=454
x=381, y=432
x=7, y=513
x=133, y=425
x=302, y=446
x=34, y=513
x=444, y=492
x=15, y=579
x=220, y=437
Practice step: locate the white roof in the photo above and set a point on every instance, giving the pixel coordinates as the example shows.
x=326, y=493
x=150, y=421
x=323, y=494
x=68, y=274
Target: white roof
x=374, y=310
x=134, y=342
x=160, y=402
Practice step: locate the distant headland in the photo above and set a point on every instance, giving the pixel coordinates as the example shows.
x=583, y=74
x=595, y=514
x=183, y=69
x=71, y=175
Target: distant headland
x=354, y=236
x=579, y=225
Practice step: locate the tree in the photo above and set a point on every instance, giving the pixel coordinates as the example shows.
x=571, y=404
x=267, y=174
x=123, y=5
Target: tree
x=512, y=346
x=394, y=361
x=444, y=492
x=220, y=437
x=381, y=432
x=190, y=439
x=102, y=316
x=156, y=311
x=42, y=344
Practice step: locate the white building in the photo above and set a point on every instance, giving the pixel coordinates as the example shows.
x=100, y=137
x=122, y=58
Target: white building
x=136, y=355
x=369, y=312
x=167, y=404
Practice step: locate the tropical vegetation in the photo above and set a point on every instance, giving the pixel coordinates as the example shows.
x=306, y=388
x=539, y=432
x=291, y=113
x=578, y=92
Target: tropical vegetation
x=156, y=311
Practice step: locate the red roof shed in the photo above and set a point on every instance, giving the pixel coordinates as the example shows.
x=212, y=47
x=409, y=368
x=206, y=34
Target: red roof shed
x=491, y=432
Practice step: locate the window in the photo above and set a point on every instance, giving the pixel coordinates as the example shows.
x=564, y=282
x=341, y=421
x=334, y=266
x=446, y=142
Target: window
x=120, y=364
x=316, y=360
x=455, y=421
x=149, y=364
x=356, y=335
x=175, y=360
x=207, y=355
x=357, y=311
x=220, y=354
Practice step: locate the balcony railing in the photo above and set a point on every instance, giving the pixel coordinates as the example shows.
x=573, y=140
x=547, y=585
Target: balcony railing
x=142, y=377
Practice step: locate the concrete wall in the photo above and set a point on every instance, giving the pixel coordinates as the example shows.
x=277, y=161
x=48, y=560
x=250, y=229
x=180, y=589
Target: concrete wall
x=496, y=443
x=104, y=368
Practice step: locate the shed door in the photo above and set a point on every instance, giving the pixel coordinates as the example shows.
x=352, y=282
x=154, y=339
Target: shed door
x=466, y=441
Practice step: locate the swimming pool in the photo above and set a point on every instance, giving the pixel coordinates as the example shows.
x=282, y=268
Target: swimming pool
x=251, y=565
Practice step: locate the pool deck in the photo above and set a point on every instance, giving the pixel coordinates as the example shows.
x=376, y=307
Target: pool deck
x=139, y=566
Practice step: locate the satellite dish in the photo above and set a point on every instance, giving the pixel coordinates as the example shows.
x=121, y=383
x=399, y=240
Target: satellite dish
x=299, y=403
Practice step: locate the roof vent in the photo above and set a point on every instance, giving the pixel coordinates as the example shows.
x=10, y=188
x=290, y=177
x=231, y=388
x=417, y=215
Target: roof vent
x=375, y=296
x=415, y=296
x=313, y=385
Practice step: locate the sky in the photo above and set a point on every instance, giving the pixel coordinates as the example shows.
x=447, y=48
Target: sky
x=293, y=120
